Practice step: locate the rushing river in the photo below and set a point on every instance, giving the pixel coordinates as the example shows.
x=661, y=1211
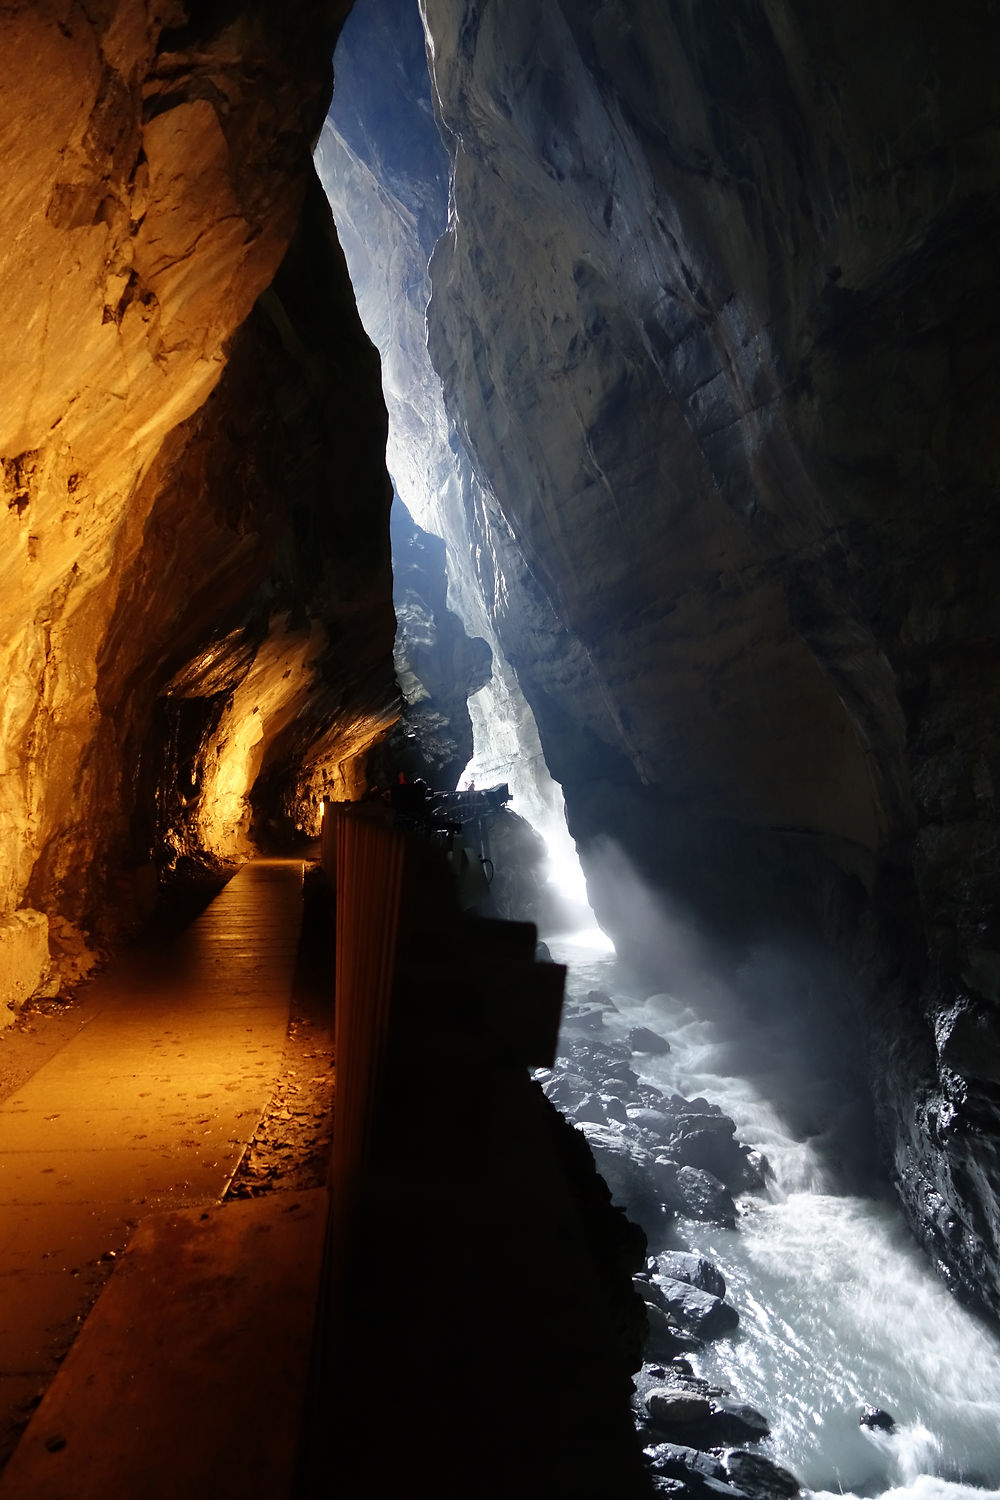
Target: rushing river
x=838, y=1307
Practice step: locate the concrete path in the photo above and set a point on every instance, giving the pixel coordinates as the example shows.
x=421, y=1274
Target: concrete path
x=190, y=1377
x=149, y=1107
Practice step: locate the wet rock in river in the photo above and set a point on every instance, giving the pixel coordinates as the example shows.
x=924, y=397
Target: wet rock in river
x=694, y=1192
x=615, y=1109
x=616, y=1075
x=727, y=1422
x=702, y=1474
x=654, y=1122
x=732, y=1421
x=707, y=1149
x=641, y=1039
x=669, y=1406
x=878, y=1420
x=664, y=1340
x=697, y=1312
x=759, y=1478
x=696, y=1270
x=590, y=1109
x=583, y=1020
x=566, y=1088
x=627, y=1169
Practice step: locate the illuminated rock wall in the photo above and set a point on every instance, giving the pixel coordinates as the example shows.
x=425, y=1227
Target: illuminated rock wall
x=716, y=316
x=165, y=501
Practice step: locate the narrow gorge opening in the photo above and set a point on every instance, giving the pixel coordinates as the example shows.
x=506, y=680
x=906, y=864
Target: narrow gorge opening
x=385, y=172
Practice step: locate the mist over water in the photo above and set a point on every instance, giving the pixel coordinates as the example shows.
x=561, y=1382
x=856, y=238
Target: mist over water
x=838, y=1306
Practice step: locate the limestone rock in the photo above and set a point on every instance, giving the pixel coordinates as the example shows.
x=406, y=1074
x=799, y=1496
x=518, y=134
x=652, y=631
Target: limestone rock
x=641, y=1039
x=697, y=1312
x=669, y=1407
x=689, y=1190
x=759, y=1477
x=24, y=960
x=696, y=1270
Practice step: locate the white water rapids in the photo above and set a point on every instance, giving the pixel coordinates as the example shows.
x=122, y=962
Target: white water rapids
x=838, y=1308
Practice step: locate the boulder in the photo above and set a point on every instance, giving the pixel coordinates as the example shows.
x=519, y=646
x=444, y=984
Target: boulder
x=24, y=960
x=759, y=1477
x=732, y=1421
x=679, y=1462
x=618, y=1076
x=671, y=1407
x=717, y=1152
x=701, y=1474
x=590, y=1109
x=683, y=1265
x=697, y=1312
x=653, y=1121
x=565, y=1089
x=583, y=1020
x=641, y=1039
x=696, y=1193
x=876, y=1419
x=664, y=1340
x=627, y=1170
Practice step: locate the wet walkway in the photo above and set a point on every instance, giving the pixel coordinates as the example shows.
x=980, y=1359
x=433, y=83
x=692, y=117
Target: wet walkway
x=149, y=1107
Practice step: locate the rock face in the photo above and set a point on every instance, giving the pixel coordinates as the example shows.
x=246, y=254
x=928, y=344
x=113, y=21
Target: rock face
x=195, y=505
x=438, y=666
x=716, y=318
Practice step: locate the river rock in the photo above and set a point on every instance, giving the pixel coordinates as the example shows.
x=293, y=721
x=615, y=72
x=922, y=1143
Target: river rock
x=590, y=1109
x=708, y=1150
x=878, y=1420
x=669, y=1407
x=684, y=1265
x=565, y=1089
x=759, y=1478
x=679, y=1462
x=702, y=1474
x=641, y=1039
x=618, y=1075
x=653, y=1121
x=664, y=1340
x=602, y=1000
x=615, y=1109
x=583, y=1020
x=697, y=1312
x=627, y=1169
x=732, y=1421
x=694, y=1192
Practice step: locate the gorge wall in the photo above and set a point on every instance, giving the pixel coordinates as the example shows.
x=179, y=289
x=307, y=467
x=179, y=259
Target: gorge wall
x=195, y=612
x=716, y=324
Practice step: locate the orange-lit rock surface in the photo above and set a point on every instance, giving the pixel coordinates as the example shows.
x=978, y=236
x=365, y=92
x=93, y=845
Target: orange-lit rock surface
x=161, y=504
